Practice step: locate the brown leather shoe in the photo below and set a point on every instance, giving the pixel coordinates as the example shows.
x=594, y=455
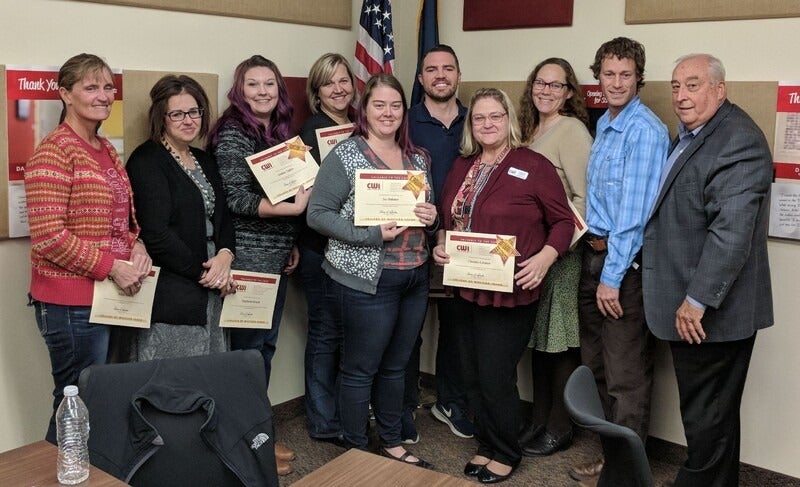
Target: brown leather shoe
x=587, y=471
x=283, y=452
x=591, y=482
x=284, y=467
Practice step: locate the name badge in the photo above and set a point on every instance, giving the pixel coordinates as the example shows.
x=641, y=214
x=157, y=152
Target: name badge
x=518, y=173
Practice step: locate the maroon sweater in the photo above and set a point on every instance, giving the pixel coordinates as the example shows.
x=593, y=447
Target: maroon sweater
x=523, y=197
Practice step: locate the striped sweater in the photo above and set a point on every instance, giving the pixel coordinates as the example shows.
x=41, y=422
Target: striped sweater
x=70, y=218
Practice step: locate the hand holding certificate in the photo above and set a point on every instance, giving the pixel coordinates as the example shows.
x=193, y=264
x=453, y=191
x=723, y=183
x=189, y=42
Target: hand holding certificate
x=282, y=169
x=254, y=302
x=111, y=306
x=480, y=261
x=384, y=196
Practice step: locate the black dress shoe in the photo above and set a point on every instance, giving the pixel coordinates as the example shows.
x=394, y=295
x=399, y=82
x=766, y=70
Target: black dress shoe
x=404, y=458
x=530, y=433
x=486, y=476
x=333, y=440
x=472, y=469
x=547, y=444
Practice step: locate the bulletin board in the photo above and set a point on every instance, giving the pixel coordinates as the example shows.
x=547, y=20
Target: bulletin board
x=327, y=13
x=658, y=11
x=136, y=103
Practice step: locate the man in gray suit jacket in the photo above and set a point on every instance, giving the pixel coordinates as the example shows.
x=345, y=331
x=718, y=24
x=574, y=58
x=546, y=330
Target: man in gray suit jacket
x=705, y=271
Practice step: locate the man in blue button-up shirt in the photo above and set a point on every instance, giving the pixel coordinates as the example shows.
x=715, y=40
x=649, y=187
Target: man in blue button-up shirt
x=623, y=175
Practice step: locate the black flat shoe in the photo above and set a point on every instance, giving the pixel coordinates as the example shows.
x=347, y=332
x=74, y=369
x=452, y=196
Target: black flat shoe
x=547, y=444
x=404, y=458
x=486, y=476
x=472, y=469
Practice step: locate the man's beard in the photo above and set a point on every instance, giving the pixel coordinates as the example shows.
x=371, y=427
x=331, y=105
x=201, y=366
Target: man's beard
x=440, y=98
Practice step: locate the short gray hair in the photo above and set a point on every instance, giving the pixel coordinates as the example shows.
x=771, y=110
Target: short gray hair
x=715, y=68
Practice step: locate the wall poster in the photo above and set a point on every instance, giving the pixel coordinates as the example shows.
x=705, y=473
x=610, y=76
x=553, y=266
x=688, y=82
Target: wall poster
x=784, y=218
x=33, y=108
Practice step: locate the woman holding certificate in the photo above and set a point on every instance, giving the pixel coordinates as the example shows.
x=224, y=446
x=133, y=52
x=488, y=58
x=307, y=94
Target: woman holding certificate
x=379, y=272
x=330, y=89
x=497, y=187
x=185, y=224
x=553, y=121
x=82, y=224
x=258, y=118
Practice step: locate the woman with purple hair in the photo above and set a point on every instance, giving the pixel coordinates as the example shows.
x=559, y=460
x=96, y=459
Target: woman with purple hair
x=379, y=273
x=258, y=118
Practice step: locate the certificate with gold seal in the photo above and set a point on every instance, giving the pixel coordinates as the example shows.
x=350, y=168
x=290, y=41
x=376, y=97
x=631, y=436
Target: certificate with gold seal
x=384, y=196
x=253, y=303
x=111, y=306
x=328, y=137
x=480, y=261
x=282, y=169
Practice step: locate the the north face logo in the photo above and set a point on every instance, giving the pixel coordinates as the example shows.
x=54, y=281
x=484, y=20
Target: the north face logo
x=259, y=440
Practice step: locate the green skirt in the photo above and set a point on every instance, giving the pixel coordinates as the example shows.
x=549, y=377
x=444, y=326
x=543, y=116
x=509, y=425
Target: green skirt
x=556, y=326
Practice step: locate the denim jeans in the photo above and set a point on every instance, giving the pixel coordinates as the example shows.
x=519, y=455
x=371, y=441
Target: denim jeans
x=379, y=333
x=323, y=348
x=263, y=340
x=73, y=344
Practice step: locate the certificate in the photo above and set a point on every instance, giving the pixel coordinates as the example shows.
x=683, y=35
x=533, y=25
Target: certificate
x=111, y=306
x=253, y=303
x=328, y=137
x=282, y=169
x=580, y=225
x=480, y=261
x=384, y=196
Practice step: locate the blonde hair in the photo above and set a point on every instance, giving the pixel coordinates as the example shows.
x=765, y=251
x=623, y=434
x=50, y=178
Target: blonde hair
x=321, y=72
x=470, y=146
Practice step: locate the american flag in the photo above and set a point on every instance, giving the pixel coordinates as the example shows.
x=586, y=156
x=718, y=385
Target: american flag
x=375, y=45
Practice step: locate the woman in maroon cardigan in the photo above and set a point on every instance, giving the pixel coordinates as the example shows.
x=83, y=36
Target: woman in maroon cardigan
x=499, y=187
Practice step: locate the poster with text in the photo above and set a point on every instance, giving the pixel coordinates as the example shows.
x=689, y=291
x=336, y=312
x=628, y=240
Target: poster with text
x=784, y=218
x=34, y=109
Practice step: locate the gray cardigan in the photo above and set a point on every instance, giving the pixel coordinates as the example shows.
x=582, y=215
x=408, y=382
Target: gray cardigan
x=354, y=255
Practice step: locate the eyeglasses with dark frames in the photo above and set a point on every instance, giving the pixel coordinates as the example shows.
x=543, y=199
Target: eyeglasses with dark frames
x=179, y=115
x=540, y=84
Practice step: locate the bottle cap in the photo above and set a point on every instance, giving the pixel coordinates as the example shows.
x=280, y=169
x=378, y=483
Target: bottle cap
x=71, y=391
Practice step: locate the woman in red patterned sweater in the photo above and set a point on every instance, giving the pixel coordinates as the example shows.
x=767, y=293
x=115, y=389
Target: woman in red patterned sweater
x=82, y=224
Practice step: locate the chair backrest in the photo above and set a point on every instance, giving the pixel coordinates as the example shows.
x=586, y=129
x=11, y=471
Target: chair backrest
x=190, y=421
x=625, y=457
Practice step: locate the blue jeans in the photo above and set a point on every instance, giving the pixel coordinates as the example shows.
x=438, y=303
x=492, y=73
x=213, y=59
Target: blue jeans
x=73, y=344
x=323, y=348
x=263, y=340
x=379, y=334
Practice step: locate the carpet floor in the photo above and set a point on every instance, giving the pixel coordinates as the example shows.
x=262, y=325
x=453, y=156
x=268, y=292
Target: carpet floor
x=449, y=454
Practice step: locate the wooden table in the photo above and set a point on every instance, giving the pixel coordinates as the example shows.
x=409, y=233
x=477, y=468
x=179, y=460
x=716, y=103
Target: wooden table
x=356, y=468
x=34, y=465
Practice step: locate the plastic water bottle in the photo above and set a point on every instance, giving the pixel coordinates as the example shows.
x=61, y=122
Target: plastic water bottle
x=72, y=427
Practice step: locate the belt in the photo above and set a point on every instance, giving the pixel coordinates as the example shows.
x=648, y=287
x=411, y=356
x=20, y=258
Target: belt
x=596, y=242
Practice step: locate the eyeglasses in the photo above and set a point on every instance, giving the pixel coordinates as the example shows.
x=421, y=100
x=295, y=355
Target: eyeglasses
x=179, y=115
x=492, y=117
x=539, y=84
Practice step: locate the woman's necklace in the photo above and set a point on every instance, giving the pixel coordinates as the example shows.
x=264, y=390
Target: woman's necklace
x=209, y=198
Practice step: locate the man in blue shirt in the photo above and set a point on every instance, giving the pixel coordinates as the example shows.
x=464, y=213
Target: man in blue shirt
x=436, y=124
x=622, y=182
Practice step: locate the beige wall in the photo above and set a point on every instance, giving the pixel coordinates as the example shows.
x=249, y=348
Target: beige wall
x=136, y=39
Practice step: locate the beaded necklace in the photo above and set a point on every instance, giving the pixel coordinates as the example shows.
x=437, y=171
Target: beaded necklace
x=204, y=186
x=473, y=184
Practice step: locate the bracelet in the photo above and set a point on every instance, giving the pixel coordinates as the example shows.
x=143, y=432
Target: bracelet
x=225, y=249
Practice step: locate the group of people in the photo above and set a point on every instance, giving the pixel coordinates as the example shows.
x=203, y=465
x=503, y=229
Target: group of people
x=676, y=244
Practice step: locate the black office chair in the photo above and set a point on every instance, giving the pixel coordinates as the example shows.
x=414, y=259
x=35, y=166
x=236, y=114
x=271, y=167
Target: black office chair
x=626, y=462
x=182, y=422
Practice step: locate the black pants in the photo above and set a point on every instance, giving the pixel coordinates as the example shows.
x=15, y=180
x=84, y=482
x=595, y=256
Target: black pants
x=496, y=338
x=711, y=379
x=619, y=351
